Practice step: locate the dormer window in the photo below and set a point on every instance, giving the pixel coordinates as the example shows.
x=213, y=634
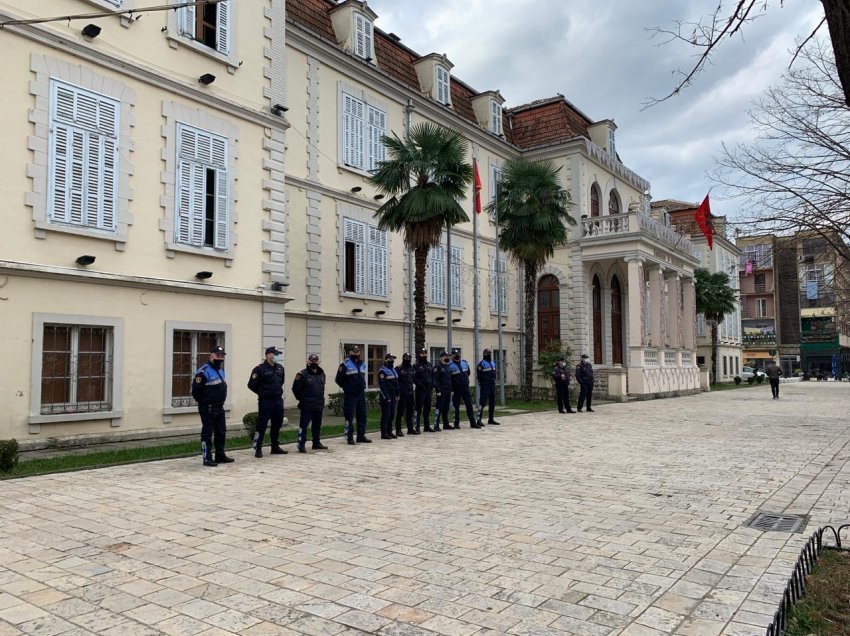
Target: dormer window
x=495, y=117
x=363, y=37
x=612, y=146
x=442, y=86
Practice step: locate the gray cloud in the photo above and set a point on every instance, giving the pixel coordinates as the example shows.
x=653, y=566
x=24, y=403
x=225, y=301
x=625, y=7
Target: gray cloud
x=603, y=57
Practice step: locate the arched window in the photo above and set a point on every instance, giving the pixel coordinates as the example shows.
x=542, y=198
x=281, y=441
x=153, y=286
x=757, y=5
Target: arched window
x=616, y=322
x=613, y=203
x=548, y=311
x=594, y=200
x=597, y=320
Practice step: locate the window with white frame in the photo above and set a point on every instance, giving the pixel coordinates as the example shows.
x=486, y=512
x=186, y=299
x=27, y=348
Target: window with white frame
x=437, y=276
x=495, y=117
x=761, y=307
x=498, y=292
x=363, y=128
x=202, y=200
x=495, y=177
x=190, y=350
x=700, y=325
x=363, y=37
x=365, y=255
x=442, y=85
x=759, y=255
x=208, y=24
x=83, y=158
x=76, y=368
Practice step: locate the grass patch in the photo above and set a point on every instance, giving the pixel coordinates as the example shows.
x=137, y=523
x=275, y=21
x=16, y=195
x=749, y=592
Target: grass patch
x=728, y=386
x=825, y=608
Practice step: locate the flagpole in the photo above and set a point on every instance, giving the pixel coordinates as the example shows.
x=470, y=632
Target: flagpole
x=448, y=288
x=476, y=344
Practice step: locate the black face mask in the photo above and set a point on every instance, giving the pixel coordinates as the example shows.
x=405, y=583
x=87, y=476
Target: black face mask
x=444, y=360
x=217, y=364
x=488, y=357
x=405, y=363
x=423, y=358
x=355, y=357
x=313, y=365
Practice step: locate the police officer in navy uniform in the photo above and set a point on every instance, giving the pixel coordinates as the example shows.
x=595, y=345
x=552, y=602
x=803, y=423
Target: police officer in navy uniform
x=209, y=389
x=561, y=379
x=351, y=378
x=389, y=390
x=267, y=382
x=460, y=389
x=584, y=377
x=423, y=380
x=309, y=389
x=406, y=399
x=485, y=375
x=443, y=386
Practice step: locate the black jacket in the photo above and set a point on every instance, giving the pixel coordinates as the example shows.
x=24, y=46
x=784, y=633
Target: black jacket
x=309, y=389
x=388, y=383
x=442, y=378
x=267, y=380
x=209, y=385
x=584, y=372
x=405, y=378
x=423, y=375
x=561, y=374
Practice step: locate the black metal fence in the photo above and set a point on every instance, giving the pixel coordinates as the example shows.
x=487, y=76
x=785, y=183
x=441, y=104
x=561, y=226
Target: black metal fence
x=796, y=587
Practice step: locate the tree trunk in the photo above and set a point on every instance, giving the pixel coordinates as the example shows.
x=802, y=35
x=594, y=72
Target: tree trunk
x=838, y=19
x=714, y=352
x=421, y=263
x=530, y=297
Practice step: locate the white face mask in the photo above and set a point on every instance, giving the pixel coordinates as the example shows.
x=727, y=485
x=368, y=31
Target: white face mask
x=278, y=358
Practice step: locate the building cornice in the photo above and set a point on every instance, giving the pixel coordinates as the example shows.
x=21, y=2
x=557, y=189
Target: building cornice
x=67, y=274
x=132, y=69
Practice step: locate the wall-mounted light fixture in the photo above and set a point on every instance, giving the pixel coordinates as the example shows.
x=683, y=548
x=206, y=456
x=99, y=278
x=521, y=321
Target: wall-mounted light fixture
x=357, y=310
x=504, y=324
x=85, y=259
x=203, y=275
x=378, y=197
x=206, y=79
x=356, y=189
x=90, y=31
x=279, y=109
x=455, y=319
x=380, y=312
x=440, y=318
x=276, y=286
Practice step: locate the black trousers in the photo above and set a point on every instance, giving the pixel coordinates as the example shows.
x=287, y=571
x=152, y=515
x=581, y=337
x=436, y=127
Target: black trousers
x=585, y=394
x=308, y=417
x=444, y=403
x=405, y=409
x=354, y=406
x=462, y=394
x=423, y=406
x=213, y=426
x=487, y=398
x=774, y=386
x=269, y=409
x=387, y=416
x=562, y=396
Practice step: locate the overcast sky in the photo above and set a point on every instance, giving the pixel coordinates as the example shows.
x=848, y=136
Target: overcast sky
x=602, y=56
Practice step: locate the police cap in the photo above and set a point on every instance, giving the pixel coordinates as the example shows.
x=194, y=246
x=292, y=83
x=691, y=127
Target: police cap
x=486, y=352
x=273, y=350
x=312, y=358
x=406, y=356
x=389, y=356
x=584, y=356
x=218, y=349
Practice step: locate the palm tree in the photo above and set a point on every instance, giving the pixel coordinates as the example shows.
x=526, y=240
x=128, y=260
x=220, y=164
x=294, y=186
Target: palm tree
x=533, y=212
x=714, y=299
x=425, y=177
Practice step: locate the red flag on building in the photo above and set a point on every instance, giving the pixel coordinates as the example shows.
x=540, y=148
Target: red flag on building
x=476, y=187
x=703, y=219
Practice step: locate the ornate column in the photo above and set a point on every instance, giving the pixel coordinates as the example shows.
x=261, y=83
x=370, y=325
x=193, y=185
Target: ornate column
x=674, y=313
x=659, y=318
x=636, y=299
x=689, y=315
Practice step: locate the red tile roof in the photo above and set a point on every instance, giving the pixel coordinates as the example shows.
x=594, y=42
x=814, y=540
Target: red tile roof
x=543, y=122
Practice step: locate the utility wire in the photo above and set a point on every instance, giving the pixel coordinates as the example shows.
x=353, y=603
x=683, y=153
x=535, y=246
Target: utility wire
x=105, y=14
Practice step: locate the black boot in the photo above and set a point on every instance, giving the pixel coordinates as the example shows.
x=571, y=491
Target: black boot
x=493, y=423
x=223, y=459
x=277, y=450
x=319, y=446
x=362, y=439
x=350, y=440
x=398, y=432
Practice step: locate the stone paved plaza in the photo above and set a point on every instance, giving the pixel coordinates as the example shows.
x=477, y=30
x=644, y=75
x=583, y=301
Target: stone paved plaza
x=624, y=521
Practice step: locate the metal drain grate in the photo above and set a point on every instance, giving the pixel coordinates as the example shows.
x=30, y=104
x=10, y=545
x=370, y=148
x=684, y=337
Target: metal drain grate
x=776, y=522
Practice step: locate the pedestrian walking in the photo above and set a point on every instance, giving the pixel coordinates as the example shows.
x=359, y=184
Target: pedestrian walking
x=267, y=382
x=460, y=389
x=406, y=398
x=209, y=388
x=485, y=375
x=443, y=388
x=561, y=379
x=584, y=377
x=351, y=378
x=772, y=371
x=309, y=389
x=389, y=392
x=423, y=380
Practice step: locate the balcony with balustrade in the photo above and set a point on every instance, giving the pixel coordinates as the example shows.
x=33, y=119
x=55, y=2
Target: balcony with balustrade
x=615, y=229
x=759, y=340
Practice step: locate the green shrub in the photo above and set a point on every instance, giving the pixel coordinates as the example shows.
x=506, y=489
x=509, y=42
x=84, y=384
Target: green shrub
x=760, y=379
x=249, y=421
x=334, y=402
x=751, y=380
x=737, y=379
x=8, y=455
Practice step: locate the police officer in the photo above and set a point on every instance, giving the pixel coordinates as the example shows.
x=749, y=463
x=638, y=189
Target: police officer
x=351, y=378
x=460, y=389
x=423, y=379
x=443, y=386
x=584, y=377
x=485, y=374
x=210, y=391
x=389, y=390
x=309, y=389
x=267, y=382
x=406, y=398
x=561, y=379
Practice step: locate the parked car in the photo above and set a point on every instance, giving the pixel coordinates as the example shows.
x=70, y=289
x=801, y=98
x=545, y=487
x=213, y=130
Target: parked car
x=749, y=372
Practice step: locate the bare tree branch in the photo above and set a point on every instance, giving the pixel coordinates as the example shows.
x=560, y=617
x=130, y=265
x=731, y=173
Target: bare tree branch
x=806, y=41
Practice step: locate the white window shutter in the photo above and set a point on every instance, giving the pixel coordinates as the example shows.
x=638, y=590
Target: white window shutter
x=368, y=39
x=503, y=286
x=358, y=134
x=198, y=186
x=77, y=170
x=93, y=181
x=222, y=27
x=437, y=275
x=359, y=35
x=457, y=287
x=60, y=173
x=353, y=131
x=377, y=127
x=222, y=211
x=64, y=104
x=355, y=232
x=492, y=270
x=182, y=231
x=377, y=262
x=186, y=18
